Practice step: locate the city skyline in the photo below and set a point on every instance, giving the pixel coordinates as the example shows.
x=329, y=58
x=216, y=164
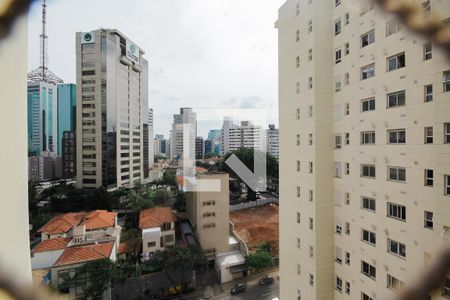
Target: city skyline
x=239, y=50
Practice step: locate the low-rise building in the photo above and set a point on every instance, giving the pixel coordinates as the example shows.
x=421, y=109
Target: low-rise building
x=157, y=225
x=230, y=265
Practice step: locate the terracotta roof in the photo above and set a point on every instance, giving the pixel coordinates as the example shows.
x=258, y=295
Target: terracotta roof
x=99, y=219
x=51, y=245
x=80, y=254
x=62, y=223
x=155, y=217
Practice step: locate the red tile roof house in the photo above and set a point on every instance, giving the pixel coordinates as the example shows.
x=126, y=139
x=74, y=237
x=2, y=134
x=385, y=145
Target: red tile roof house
x=157, y=226
x=73, y=229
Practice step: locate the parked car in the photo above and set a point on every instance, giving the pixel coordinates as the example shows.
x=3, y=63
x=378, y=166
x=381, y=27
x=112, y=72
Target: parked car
x=266, y=279
x=239, y=289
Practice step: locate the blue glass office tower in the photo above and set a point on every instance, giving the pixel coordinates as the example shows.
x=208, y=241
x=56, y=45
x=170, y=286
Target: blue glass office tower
x=67, y=102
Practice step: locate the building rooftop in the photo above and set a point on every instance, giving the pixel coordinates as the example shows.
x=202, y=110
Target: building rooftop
x=230, y=258
x=99, y=219
x=155, y=217
x=83, y=254
x=256, y=225
x=51, y=245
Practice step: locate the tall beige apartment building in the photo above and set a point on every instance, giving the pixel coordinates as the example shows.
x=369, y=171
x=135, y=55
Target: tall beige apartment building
x=112, y=97
x=209, y=213
x=364, y=150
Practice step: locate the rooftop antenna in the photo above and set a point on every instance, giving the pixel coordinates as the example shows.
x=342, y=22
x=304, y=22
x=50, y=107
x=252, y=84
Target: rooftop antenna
x=42, y=73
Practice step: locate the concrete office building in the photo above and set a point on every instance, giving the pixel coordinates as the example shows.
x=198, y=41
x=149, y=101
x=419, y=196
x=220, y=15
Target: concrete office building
x=112, y=97
x=67, y=105
x=69, y=154
x=188, y=117
x=225, y=135
x=160, y=145
x=42, y=118
x=208, y=147
x=364, y=151
x=148, y=143
x=272, y=136
x=199, y=147
x=209, y=215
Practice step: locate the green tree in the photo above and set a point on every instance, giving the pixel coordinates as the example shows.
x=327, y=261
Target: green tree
x=246, y=155
x=210, y=155
x=179, y=263
x=132, y=239
x=169, y=178
x=180, y=202
x=259, y=260
x=160, y=197
x=265, y=247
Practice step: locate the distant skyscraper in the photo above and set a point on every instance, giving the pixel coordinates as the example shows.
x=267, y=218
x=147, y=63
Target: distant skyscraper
x=225, y=135
x=272, y=144
x=199, y=147
x=67, y=103
x=214, y=134
x=186, y=116
x=69, y=154
x=112, y=94
x=149, y=151
x=208, y=147
x=42, y=118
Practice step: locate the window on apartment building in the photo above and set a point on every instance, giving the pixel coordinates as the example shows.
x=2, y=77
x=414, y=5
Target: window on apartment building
x=298, y=140
x=429, y=177
x=297, y=62
x=397, y=136
x=446, y=133
x=347, y=288
x=337, y=141
x=310, y=82
x=347, y=228
x=311, y=167
x=396, y=99
x=337, y=55
x=311, y=223
x=392, y=26
x=298, y=217
x=205, y=215
x=368, y=138
x=368, y=203
x=428, y=132
x=151, y=244
x=347, y=78
x=299, y=269
x=310, y=26
x=393, y=283
x=298, y=166
x=365, y=296
x=427, y=51
x=338, y=255
x=368, y=171
x=310, y=55
x=337, y=26
x=337, y=84
x=397, y=174
x=311, y=195
x=368, y=270
x=299, y=295
x=447, y=185
x=396, y=248
x=310, y=139
x=347, y=109
x=367, y=38
x=310, y=111
x=209, y=203
x=367, y=104
x=298, y=192
x=346, y=19
x=311, y=279
x=347, y=258
x=367, y=72
x=369, y=237
x=311, y=251
x=396, y=211
x=347, y=169
x=337, y=169
x=365, y=6
x=347, y=138
x=299, y=243
x=428, y=220
x=297, y=9
x=337, y=3
x=347, y=198
x=297, y=35
x=428, y=92
x=396, y=62
x=297, y=87
x=446, y=288
x=338, y=284
x=347, y=48
x=447, y=81
x=210, y=225
x=338, y=227
x=297, y=114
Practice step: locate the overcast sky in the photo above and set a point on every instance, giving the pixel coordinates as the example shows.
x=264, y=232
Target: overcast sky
x=201, y=53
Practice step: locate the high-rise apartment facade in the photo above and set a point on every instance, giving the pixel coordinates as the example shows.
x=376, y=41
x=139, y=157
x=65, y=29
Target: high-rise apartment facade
x=67, y=104
x=199, y=147
x=245, y=135
x=273, y=141
x=112, y=97
x=42, y=118
x=189, y=118
x=364, y=150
